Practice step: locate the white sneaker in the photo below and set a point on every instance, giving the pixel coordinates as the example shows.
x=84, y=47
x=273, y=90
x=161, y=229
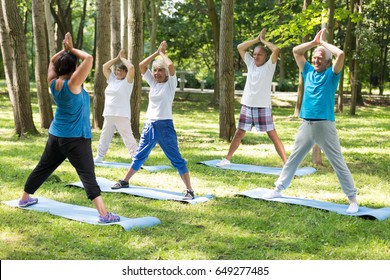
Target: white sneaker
x=353, y=208
x=98, y=159
x=272, y=194
x=223, y=162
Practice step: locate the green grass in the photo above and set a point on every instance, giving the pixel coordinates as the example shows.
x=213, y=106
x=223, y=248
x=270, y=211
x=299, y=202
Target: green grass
x=227, y=227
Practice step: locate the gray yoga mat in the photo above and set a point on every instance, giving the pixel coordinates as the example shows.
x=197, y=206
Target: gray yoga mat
x=159, y=194
x=83, y=214
x=371, y=213
x=257, y=168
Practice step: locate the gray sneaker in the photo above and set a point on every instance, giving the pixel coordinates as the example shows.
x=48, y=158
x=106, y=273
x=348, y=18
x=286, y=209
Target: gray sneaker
x=120, y=184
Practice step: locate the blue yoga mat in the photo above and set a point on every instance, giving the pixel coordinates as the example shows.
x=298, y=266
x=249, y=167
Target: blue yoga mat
x=83, y=214
x=379, y=214
x=257, y=168
x=152, y=168
x=159, y=194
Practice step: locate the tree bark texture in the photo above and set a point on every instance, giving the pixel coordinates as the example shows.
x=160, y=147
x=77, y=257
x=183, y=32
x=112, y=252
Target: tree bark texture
x=115, y=28
x=14, y=52
x=102, y=56
x=213, y=16
x=136, y=52
x=42, y=61
x=227, y=125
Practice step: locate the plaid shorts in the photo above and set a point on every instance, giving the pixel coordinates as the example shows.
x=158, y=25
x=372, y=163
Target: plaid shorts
x=261, y=118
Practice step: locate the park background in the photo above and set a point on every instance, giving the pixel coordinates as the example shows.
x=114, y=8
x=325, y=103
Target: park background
x=202, y=37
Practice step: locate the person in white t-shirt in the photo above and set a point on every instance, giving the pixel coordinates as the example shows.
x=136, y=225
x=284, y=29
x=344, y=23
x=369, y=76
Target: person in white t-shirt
x=159, y=128
x=256, y=100
x=116, y=111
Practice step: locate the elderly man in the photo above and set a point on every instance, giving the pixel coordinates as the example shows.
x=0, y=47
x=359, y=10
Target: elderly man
x=256, y=100
x=318, y=125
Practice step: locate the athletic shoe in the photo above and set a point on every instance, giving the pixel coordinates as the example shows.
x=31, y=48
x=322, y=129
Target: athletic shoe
x=109, y=218
x=98, y=159
x=272, y=194
x=120, y=184
x=189, y=195
x=353, y=208
x=28, y=202
x=223, y=162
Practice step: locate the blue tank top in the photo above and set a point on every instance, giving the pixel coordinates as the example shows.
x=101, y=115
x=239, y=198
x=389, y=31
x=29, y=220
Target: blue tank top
x=319, y=94
x=71, y=119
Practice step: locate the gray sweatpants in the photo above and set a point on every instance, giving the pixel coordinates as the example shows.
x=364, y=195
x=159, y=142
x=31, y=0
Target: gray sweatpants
x=324, y=134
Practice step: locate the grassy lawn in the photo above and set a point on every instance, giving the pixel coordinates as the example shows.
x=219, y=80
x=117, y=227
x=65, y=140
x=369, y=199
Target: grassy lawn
x=227, y=227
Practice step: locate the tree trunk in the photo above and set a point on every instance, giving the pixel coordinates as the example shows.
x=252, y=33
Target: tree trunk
x=355, y=74
x=135, y=47
x=330, y=24
x=347, y=52
x=115, y=28
x=227, y=125
x=124, y=32
x=42, y=61
x=14, y=53
x=282, y=57
x=216, y=30
x=102, y=56
x=50, y=29
x=80, y=31
x=300, y=92
x=152, y=20
x=63, y=20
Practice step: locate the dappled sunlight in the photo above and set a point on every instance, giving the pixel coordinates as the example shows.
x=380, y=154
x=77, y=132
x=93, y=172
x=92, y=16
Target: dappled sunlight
x=10, y=237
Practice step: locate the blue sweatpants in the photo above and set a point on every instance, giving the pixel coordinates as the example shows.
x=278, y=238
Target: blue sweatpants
x=163, y=133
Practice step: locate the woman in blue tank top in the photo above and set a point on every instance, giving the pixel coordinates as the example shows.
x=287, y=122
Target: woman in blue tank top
x=70, y=132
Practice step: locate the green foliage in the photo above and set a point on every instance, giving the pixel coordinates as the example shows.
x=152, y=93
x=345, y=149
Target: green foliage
x=226, y=228
x=187, y=28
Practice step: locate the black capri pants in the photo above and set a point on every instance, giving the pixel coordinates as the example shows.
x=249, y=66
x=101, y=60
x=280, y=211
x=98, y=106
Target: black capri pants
x=79, y=153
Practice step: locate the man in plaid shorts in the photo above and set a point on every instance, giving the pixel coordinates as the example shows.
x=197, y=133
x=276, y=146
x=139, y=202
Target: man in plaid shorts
x=256, y=100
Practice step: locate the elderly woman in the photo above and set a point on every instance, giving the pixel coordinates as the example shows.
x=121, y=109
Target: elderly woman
x=117, y=105
x=159, y=126
x=70, y=132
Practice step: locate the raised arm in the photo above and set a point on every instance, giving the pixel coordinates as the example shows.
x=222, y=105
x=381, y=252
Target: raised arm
x=274, y=49
x=162, y=52
x=82, y=71
x=143, y=65
x=107, y=66
x=300, y=50
x=243, y=47
x=51, y=73
x=128, y=64
x=339, y=54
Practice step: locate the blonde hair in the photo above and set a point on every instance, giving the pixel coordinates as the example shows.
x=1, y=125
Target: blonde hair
x=160, y=64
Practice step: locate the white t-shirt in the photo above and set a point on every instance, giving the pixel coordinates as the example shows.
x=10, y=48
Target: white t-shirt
x=257, y=90
x=161, y=97
x=117, y=100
